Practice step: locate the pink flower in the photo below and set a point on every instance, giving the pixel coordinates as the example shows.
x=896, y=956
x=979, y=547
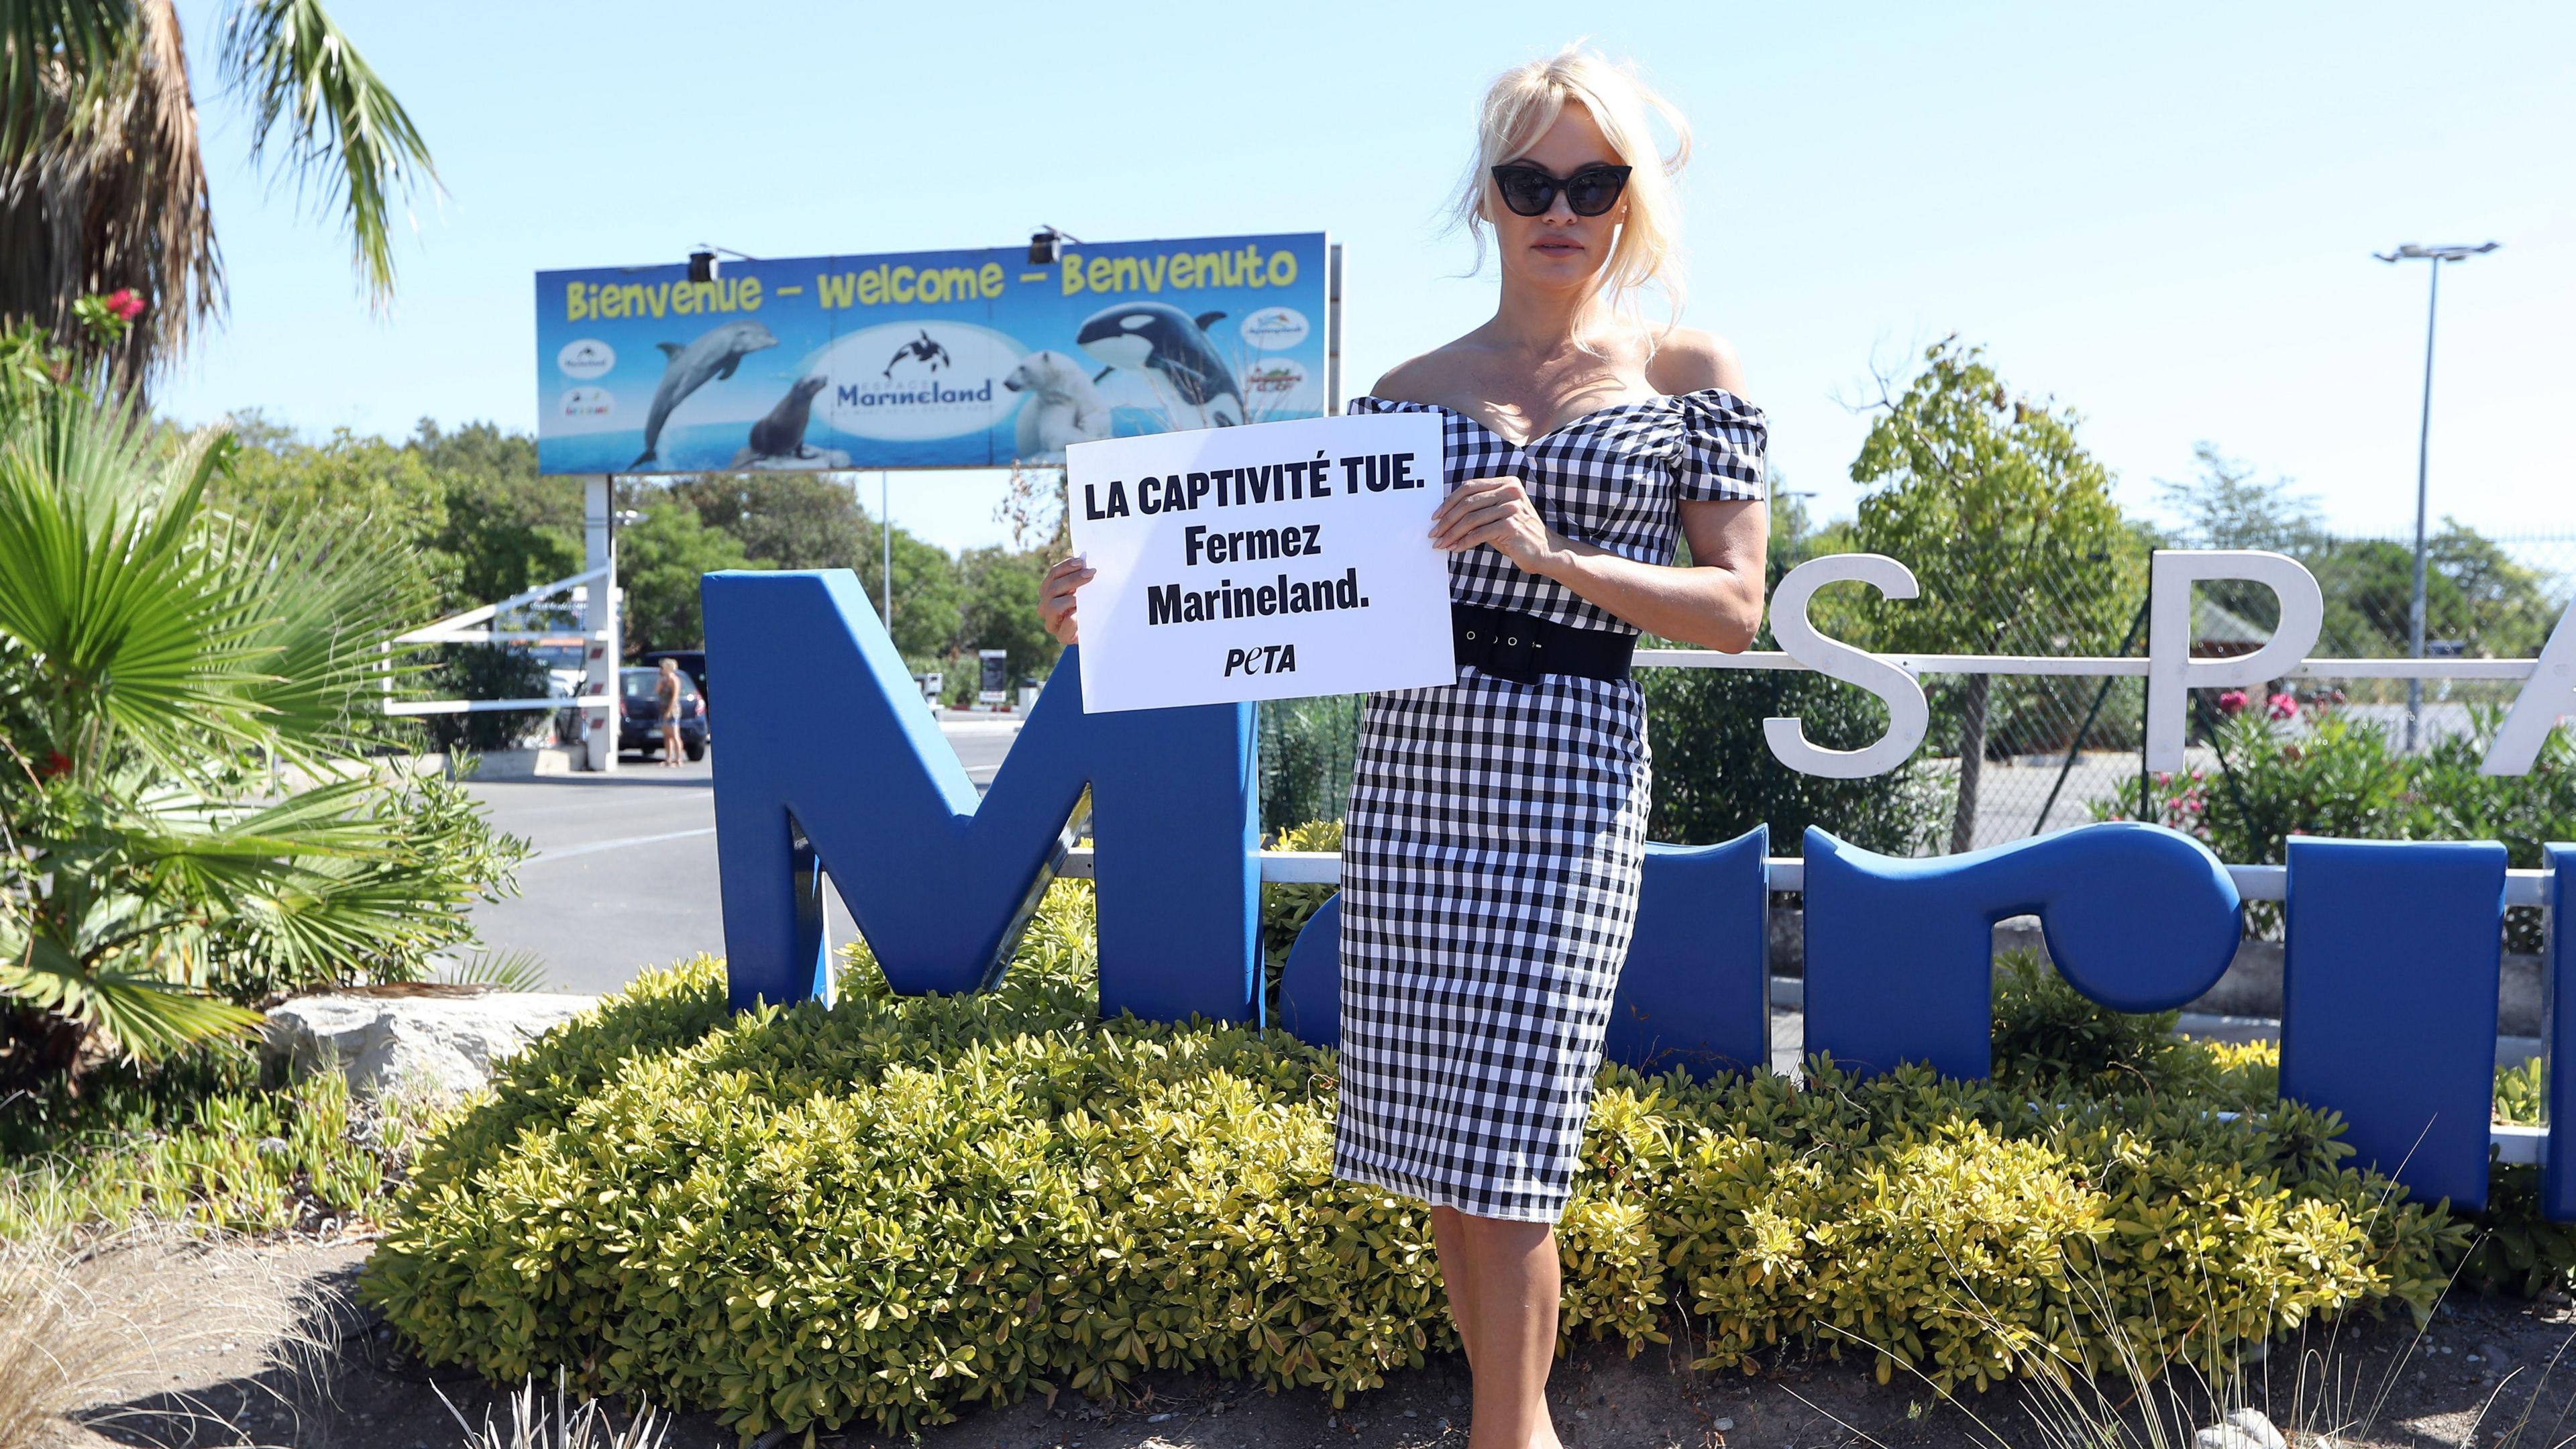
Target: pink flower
x=125, y=303
x=2282, y=706
x=2231, y=702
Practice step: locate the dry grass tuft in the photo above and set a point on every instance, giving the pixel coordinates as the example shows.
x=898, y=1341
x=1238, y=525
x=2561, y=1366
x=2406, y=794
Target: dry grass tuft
x=98, y=1333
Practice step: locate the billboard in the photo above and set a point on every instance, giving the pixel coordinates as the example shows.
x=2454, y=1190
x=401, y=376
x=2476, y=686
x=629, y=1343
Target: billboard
x=954, y=359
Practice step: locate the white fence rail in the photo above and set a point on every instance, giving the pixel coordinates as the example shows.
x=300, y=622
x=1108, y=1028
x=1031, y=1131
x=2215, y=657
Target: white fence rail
x=1788, y=873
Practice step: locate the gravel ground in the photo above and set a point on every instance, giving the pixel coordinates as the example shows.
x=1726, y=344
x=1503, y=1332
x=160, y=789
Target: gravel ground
x=326, y=1374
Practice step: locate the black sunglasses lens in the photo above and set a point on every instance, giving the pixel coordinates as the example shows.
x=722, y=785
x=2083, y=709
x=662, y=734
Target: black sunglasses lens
x=1591, y=193
x=1525, y=191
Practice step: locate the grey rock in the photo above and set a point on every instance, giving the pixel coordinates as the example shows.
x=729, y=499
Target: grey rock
x=440, y=1043
x=2241, y=1429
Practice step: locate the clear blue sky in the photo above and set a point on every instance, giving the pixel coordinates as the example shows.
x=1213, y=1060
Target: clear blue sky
x=2162, y=215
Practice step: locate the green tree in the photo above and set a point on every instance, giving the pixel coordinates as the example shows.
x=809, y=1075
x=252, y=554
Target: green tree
x=2009, y=525
x=347, y=481
x=105, y=187
x=929, y=598
x=659, y=560
x=2226, y=506
x=782, y=520
x=507, y=528
x=1001, y=608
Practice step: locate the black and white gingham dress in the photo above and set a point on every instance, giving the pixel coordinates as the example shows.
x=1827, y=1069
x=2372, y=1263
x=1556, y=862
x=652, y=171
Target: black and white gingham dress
x=1491, y=854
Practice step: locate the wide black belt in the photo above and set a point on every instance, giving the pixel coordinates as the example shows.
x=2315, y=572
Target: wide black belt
x=1523, y=647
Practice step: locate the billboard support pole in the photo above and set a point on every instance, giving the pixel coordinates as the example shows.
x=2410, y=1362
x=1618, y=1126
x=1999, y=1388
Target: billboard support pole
x=599, y=622
x=885, y=542
x=1333, y=330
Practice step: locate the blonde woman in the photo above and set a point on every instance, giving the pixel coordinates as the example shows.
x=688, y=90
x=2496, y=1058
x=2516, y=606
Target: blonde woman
x=667, y=690
x=1496, y=830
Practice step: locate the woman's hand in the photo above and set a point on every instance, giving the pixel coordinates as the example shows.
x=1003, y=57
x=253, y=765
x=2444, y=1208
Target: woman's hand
x=1055, y=597
x=1496, y=511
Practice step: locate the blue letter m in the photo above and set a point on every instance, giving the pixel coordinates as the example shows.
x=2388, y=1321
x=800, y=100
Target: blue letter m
x=831, y=760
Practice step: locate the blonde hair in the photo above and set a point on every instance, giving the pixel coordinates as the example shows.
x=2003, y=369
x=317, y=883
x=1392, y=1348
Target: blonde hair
x=1525, y=101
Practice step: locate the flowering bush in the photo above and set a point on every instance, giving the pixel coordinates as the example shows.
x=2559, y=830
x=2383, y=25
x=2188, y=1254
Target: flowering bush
x=2347, y=779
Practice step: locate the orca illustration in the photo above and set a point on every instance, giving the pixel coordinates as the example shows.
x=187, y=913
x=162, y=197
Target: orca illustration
x=711, y=357
x=927, y=349
x=1170, y=350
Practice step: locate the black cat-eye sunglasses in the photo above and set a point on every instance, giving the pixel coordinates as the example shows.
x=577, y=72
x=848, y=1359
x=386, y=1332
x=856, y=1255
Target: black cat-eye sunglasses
x=1528, y=191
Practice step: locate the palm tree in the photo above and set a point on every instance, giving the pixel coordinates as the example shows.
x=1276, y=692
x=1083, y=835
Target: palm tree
x=102, y=185
x=159, y=662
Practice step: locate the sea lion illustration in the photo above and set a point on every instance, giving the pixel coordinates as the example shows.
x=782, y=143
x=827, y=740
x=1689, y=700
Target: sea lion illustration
x=781, y=434
x=927, y=349
x=711, y=357
x=1063, y=406
x=1170, y=350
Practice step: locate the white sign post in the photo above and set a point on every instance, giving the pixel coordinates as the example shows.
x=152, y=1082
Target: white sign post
x=1262, y=562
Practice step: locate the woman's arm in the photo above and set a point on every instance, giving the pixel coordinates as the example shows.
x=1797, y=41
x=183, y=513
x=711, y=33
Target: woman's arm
x=1715, y=600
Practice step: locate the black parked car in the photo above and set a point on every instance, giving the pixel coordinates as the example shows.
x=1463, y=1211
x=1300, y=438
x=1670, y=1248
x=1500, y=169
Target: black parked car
x=639, y=713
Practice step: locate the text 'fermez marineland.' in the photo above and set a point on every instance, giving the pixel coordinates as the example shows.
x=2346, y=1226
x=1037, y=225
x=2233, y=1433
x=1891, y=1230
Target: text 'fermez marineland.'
x=1170, y=603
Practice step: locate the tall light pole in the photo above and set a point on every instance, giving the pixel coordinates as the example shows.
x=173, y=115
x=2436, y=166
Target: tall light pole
x=2423, y=453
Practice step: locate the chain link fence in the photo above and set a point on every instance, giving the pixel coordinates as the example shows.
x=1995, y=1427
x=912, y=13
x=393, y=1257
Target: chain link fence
x=2008, y=757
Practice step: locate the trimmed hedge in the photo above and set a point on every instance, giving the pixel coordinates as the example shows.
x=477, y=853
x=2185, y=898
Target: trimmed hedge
x=890, y=1210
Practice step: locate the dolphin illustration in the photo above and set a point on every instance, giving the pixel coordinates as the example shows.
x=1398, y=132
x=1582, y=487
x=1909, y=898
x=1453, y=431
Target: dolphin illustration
x=711, y=357
x=1170, y=350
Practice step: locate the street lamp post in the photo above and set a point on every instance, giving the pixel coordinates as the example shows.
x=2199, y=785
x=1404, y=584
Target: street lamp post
x=2423, y=453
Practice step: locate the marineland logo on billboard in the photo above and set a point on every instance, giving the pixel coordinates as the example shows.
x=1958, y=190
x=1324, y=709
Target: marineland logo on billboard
x=912, y=380
x=1273, y=328
x=956, y=359
x=586, y=358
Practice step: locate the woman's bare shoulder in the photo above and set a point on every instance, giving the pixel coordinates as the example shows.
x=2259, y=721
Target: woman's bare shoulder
x=1438, y=377
x=1689, y=360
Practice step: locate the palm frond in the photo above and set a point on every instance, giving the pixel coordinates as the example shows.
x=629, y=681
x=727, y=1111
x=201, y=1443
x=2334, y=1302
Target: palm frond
x=101, y=182
x=144, y=1016
x=122, y=615
x=519, y=970
x=345, y=134
x=325, y=598
x=44, y=43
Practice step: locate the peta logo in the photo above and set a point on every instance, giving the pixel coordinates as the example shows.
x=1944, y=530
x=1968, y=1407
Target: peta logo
x=1262, y=659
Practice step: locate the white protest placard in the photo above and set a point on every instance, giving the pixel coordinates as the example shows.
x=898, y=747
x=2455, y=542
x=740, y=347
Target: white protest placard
x=1262, y=562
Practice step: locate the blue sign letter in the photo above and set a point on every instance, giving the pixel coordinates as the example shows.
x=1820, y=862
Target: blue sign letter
x=827, y=742
x=1900, y=953
x=2388, y=1002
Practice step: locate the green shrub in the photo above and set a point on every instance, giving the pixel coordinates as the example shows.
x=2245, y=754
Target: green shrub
x=1716, y=778
x=1286, y=908
x=1308, y=748
x=2049, y=1037
x=484, y=671
x=196, y=1142
x=891, y=1209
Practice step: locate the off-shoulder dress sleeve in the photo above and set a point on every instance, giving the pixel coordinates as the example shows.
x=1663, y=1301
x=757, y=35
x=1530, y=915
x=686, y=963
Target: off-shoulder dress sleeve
x=1723, y=443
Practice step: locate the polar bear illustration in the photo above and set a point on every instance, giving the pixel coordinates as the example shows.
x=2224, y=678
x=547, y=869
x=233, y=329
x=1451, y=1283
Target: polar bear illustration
x=1063, y=406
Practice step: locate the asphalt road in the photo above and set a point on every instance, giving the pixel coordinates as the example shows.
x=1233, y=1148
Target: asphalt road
x=624, y=876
